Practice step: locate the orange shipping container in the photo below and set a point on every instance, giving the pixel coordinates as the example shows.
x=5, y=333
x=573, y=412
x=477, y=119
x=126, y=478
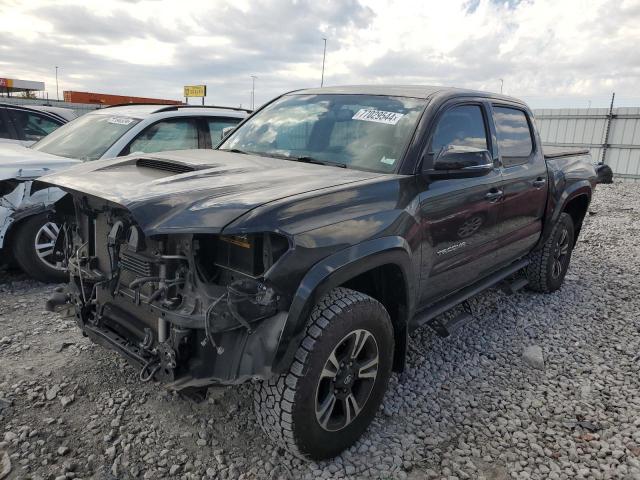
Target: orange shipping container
x=108, y=99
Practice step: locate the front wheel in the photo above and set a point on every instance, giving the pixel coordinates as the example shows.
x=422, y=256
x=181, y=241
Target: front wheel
x=336, y=382
x=549, y=264
x=37, y=249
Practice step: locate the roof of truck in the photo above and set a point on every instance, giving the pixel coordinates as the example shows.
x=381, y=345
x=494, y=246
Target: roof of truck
x=415, y=91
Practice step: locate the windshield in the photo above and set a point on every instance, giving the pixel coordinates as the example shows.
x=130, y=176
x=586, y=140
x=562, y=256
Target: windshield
x=87, y=137
x=357, y=131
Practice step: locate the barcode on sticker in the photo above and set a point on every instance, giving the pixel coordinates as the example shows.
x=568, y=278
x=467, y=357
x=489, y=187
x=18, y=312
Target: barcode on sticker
x=378, y=116
x=120, y=120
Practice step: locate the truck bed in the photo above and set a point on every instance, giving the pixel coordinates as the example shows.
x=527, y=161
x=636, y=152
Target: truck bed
x=556, y=152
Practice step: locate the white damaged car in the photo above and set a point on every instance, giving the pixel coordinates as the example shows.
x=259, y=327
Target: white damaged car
x=27, y=235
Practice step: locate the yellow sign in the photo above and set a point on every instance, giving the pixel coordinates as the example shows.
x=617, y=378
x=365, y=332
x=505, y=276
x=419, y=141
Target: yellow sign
x=195, y=90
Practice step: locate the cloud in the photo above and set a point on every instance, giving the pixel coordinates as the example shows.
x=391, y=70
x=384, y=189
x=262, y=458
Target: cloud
x=547, y=52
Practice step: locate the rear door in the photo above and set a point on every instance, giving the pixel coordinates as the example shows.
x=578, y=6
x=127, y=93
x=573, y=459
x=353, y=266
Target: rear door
x=458, y=216
x=524, y=182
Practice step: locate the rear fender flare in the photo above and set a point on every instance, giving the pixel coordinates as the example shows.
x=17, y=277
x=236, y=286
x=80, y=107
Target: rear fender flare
x=581, y=187
x=334, y=271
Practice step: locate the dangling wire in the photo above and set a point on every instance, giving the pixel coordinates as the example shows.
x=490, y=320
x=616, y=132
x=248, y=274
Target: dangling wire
x=208, y=328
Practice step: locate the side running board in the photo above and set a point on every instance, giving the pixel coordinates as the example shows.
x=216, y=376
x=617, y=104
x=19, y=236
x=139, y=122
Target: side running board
x=445, y=329
x=429, y=315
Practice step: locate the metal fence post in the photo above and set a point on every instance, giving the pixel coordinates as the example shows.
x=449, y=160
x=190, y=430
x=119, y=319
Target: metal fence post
x=605, y=145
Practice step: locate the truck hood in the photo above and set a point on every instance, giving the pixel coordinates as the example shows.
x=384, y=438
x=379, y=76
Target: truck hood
x=17, y=161
x=197, y=191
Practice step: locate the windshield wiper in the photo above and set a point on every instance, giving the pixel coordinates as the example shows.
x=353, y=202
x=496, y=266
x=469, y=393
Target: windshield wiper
x=306, y=159
x=237, y=150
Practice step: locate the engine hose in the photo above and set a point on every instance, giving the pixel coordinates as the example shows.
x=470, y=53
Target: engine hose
x=152, y=371
x=157, y=294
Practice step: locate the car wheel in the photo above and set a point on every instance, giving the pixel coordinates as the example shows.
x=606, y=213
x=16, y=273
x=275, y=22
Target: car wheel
x=36, y=249
x=549, y=264
x=336, y=381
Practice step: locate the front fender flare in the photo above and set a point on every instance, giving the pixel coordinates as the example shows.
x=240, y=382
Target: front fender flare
x=334, y=271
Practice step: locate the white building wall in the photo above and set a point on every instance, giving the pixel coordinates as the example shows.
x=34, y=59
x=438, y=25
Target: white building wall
x=582, y=127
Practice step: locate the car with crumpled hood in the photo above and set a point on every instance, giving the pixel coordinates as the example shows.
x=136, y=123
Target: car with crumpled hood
x=27, y=233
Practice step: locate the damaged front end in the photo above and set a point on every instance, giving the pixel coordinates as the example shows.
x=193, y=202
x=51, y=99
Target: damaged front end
x=20, y=197
x=190, y=310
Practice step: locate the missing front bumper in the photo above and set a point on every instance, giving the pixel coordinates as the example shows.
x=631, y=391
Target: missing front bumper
x=185, y=359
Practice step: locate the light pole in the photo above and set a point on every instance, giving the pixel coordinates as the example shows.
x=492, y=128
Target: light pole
x=501, y=84
x=324, y=55
x=57, y=92
x=253, y=92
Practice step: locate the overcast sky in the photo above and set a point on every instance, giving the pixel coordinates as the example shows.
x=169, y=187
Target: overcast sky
x=552, y=53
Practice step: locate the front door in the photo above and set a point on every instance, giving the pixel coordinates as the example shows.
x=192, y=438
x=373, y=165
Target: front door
x=458, y=217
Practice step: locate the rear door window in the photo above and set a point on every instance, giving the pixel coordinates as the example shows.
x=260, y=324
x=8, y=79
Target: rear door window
x=461, y=126
x=175, y=134
x=31, y=126
x=514, y=135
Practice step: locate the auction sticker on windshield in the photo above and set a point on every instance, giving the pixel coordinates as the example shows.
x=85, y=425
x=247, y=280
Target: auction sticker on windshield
x=120, y=120
x=378, y=116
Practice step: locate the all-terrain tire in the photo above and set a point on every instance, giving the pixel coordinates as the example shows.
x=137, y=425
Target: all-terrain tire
x=543, y=272
x=25, y=254
x=286, y=405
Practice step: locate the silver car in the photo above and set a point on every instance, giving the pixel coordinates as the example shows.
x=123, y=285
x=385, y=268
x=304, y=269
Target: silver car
x=26, y=233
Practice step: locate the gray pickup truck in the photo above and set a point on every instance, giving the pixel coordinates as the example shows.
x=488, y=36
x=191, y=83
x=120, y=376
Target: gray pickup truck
x=302, y=252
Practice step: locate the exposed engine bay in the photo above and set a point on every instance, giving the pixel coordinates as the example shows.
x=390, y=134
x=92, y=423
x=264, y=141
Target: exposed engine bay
x=188, y=309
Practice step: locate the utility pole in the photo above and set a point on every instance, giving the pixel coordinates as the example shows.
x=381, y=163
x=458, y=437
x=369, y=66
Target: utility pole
x=501, y=84
x=324, y=56
x=57, y=92
x=253, y=92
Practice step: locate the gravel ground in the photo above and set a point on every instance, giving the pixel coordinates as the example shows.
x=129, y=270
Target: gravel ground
x=539, y=386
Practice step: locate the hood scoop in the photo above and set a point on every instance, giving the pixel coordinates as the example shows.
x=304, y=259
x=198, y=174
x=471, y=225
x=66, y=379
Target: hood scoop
x=157, y=164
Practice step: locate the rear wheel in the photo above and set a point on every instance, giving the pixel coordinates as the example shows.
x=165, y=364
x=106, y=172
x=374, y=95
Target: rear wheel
x=337, y=380
x=549, y=264
x=37, y=249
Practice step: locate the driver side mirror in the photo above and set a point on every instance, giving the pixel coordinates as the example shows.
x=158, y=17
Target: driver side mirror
x=226, y=131
x=460, y=162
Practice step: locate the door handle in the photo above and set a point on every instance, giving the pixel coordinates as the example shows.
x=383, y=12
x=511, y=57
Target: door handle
x=493, y=195
x=539, y=182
